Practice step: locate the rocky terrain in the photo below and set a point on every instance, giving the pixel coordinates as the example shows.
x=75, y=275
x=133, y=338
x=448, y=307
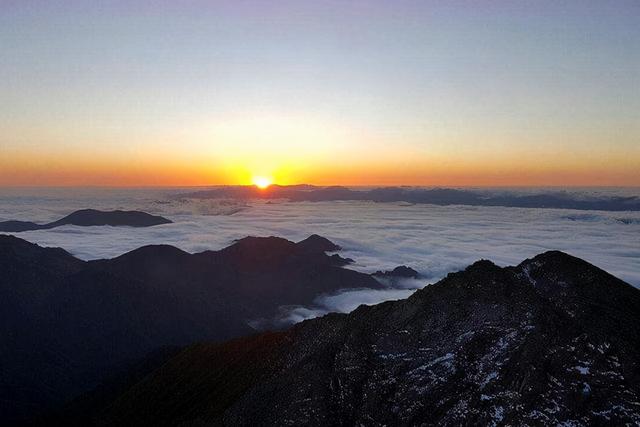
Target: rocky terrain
x=552, y=341
x=89, y=217
x=67, y=324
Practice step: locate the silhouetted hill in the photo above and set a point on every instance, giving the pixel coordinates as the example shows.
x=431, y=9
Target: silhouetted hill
x=90, y=217
x=262, y=272
x=318, y=243
x=553, y=341
x=67, y=324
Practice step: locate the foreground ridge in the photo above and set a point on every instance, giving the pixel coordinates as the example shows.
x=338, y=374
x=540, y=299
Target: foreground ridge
x=552, y=340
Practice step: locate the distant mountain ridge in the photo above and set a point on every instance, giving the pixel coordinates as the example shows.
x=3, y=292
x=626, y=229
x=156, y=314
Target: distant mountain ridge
x=552, y=341
x=438, y=196
x=90, y=217
x=68, y=323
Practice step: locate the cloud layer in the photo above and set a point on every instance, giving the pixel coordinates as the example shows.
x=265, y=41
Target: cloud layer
x=434, y=240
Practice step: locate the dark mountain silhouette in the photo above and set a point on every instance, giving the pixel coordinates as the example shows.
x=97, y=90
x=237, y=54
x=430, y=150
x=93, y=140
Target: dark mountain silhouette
x=552, y=341
x=401, y=271
x=315, y=243
x=89, y=217
x=66, y=324
x=436, y=196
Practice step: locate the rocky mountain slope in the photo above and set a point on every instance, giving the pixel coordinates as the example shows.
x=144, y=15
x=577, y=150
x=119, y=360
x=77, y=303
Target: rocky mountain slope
x=66, y=324
x=90, y=217
x=552, y=341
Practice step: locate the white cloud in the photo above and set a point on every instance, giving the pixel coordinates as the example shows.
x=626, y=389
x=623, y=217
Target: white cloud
x=341, y=302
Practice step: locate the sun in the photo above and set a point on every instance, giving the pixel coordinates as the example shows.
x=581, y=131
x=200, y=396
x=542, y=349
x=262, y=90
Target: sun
x=261, y=182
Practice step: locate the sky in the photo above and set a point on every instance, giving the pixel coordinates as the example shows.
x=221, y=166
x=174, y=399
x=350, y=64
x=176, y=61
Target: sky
x=134, y=93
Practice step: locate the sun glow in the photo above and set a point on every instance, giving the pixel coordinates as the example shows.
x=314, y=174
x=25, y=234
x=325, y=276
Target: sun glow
x=262, y=182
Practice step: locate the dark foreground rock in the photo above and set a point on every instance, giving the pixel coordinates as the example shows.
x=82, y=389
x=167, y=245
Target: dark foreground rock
x=90, y=217
x=552, y=341
x=67, y=324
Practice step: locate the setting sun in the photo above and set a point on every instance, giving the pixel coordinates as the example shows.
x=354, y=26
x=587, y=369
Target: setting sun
x=261, y=182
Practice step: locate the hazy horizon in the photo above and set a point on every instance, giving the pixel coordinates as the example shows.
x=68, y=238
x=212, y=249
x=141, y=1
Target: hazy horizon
x=358, y=186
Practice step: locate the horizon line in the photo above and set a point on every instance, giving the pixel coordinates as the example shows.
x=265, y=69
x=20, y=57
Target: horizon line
x=152, y=186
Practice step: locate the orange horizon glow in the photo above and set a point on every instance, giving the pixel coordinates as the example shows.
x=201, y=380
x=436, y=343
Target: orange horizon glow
x=238, y=150
x=176, y=175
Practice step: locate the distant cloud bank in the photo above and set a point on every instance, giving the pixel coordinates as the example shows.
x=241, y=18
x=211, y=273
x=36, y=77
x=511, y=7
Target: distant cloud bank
x=558, y=199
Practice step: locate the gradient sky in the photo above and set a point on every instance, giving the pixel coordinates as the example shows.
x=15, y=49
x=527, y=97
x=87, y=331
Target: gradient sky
x=324, y=92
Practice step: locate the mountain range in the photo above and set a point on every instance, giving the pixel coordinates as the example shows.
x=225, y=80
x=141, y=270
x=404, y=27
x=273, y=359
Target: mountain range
x=68, y=323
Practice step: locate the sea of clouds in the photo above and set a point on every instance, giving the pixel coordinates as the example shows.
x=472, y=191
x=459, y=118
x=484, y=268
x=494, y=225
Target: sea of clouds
x=434, y=240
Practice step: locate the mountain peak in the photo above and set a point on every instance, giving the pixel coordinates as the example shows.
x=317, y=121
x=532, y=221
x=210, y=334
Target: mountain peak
x=318, y=243
x=553, y=257
x=155, y=252
x=482, y=265
x=262, y=245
